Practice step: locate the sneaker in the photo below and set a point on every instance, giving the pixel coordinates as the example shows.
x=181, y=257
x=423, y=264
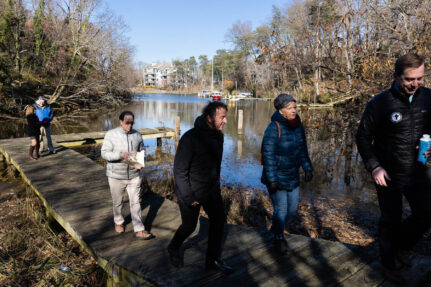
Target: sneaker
x=144, y=235
x=52, y=152
x=218, y=266
x=119, y=228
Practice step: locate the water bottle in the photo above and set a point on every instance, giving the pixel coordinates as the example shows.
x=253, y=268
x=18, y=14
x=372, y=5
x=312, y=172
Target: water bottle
x=64, y=268
x=423, y=148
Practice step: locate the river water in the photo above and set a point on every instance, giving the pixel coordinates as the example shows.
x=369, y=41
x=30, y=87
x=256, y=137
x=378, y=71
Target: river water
x=338, y=170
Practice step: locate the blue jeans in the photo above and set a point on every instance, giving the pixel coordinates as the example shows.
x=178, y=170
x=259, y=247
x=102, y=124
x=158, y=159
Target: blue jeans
x=45, y=132
x=285, y=204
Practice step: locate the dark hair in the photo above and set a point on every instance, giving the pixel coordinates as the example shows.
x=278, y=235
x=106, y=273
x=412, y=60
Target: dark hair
x=211, y=109
x=410, y=60
x=125, y=113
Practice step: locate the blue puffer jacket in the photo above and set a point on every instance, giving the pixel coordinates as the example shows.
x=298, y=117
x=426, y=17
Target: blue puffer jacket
x=283, y=156
x=44, y=114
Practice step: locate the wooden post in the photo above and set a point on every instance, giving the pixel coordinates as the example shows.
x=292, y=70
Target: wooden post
x=240, y=122
x=177, y=131
x=159, y=142
x=177, y=126
x=239, y=146
x=3, y=164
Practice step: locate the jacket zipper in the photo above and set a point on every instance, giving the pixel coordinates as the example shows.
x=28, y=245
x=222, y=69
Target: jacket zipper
x=411, y=124
x=128, y=150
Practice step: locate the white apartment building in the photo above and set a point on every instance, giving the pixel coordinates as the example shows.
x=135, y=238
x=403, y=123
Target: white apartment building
x=157, y=74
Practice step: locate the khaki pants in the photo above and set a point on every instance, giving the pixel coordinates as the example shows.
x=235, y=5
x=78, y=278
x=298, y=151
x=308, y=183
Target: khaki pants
x=133, y=187
x=45, y=132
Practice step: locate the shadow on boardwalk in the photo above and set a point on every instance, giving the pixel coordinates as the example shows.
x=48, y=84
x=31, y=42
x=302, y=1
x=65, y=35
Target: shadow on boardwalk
x=81, y=203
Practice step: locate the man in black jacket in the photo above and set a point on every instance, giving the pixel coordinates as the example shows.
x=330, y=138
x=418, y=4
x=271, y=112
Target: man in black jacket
x=197, y=183
x=387, y=139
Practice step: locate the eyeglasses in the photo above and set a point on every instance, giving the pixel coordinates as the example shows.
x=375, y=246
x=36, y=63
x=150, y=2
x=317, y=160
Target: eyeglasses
x=129, y=123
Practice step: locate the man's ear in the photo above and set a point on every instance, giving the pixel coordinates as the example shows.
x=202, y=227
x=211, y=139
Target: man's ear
x=209, y=121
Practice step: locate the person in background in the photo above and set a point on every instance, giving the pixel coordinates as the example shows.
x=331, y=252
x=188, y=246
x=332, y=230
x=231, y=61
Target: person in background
x=284, y=151
x=389, y=131
x=33, y=131
x=197, y=167
x=117, y=149
x=45, y=115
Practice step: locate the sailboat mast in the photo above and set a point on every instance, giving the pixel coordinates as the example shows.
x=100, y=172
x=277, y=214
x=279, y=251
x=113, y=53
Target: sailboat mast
x=212, y=75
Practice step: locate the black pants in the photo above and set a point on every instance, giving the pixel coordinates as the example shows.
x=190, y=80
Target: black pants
x=393, y=233
x=189, y=217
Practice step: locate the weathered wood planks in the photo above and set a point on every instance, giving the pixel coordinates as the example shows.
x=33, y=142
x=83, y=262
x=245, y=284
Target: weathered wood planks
x=75, y=191
x=76, y=139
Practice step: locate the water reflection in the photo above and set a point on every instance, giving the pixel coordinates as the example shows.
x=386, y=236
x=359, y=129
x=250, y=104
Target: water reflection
x=339, y=173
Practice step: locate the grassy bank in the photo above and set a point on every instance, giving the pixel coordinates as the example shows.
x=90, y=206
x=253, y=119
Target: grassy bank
x=31, y=249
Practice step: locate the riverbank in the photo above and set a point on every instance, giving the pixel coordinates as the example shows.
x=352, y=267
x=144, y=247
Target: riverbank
x=161, y=91
x=89, y=101
x=32, y=250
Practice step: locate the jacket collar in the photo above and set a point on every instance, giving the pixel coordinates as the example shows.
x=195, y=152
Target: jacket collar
x=276, y=116
x=396, y=92
x=202, y=125
x=122, y=131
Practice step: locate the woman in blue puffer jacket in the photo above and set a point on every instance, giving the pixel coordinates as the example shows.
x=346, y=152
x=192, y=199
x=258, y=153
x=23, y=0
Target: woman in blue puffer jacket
x=284, y=150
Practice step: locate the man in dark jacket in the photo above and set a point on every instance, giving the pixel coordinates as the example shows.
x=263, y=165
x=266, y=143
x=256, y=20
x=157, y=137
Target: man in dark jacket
x=197, y=183
x=387, y=139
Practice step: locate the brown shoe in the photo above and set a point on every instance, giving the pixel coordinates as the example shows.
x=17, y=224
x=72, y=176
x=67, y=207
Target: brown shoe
x=119, y=228
x=144, y=235
x=394, y=276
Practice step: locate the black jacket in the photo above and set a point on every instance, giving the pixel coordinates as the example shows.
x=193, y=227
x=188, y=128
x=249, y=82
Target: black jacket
x=390, y=130
x=33, y=126
x=197, y=163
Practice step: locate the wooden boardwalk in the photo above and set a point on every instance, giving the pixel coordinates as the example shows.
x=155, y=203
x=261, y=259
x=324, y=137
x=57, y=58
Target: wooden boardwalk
x=75, y=139
x=75, y=192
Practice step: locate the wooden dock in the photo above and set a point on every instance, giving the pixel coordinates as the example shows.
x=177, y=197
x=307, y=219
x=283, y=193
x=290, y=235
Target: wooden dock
x=75, y=192
x=69, y=140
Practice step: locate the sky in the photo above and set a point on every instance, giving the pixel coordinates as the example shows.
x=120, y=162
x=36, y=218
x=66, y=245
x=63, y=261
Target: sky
x=166, y=30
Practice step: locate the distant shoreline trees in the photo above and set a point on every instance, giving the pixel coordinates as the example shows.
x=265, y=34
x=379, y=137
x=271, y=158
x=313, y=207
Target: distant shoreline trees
x=320, y=50
x=71, y=51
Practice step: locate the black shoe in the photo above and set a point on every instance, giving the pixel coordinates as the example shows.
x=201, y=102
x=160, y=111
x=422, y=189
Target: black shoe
x=175, y=257
x=394, y=276
x=280, y=245
x=218, y=265
x=403, y=256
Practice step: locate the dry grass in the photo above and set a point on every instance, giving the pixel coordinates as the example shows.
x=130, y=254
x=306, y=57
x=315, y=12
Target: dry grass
x=32, y=250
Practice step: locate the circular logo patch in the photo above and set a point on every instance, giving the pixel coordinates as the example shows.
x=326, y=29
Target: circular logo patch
x=396, y=117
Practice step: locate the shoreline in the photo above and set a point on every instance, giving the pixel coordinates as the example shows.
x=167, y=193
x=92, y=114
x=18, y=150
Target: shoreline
x=158, y=91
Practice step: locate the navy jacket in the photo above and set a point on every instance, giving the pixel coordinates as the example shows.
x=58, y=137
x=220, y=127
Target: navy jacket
x=283, y=156
x=197, y=164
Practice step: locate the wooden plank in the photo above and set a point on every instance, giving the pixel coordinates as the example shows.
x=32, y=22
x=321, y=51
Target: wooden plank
x=264, y=263
x=76, y=192
x=97, y=137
